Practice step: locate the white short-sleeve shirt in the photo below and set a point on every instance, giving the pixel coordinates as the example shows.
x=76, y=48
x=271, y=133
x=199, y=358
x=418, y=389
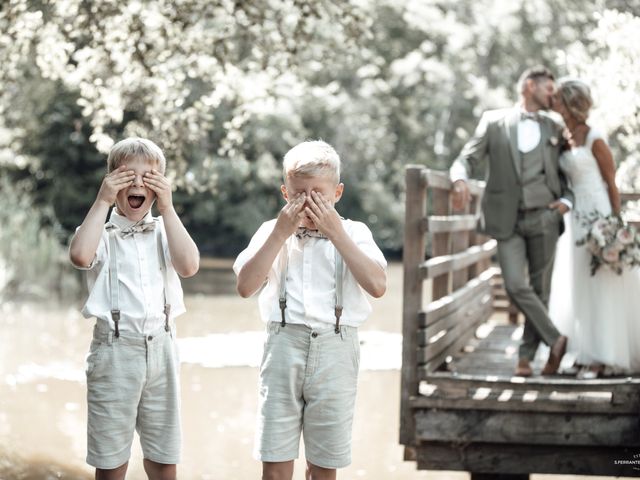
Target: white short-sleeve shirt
x=311, y=278
x=140, y=279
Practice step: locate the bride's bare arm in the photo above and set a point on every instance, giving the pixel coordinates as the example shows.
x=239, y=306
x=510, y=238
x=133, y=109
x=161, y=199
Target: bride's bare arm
x=607, y=166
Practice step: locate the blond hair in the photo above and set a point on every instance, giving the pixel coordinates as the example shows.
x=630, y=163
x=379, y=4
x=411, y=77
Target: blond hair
x=576, y=97
x=135, y=147
x=310, y=159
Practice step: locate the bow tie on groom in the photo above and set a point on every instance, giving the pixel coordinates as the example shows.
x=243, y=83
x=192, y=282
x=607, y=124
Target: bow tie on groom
x=535, y=116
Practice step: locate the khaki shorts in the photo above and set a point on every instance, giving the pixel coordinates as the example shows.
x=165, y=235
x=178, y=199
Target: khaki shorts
x=308, y=381
x=132, y=383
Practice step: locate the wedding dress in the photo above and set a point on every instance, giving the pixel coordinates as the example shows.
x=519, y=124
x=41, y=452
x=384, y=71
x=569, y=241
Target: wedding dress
x=601, y=313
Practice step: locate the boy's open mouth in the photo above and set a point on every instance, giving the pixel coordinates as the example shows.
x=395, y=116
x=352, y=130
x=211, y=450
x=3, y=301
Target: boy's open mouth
x=135, y=201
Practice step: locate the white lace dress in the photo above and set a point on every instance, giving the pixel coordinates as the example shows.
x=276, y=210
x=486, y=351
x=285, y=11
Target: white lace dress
x=600, y=314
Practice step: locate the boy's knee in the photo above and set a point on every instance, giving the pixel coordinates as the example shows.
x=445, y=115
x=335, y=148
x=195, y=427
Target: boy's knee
x=314, y=472
x=117, y=473
x=160, y=471
x=277, y=470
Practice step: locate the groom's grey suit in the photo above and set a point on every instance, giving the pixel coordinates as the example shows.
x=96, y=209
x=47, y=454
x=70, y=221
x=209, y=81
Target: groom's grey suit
x=519, y=188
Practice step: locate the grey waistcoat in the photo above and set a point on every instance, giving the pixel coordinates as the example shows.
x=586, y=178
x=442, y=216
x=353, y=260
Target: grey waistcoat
x=535, y=192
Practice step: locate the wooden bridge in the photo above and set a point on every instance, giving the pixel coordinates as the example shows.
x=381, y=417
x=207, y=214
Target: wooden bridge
x=461, y=406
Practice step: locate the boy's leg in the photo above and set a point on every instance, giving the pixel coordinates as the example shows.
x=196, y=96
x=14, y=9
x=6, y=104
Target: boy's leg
x=280, y=402
x=112, y=473
x=115, y=373
x=330, y=392
x=315, y=472
x=160, y=471
x=158, y=422
x=277, y=470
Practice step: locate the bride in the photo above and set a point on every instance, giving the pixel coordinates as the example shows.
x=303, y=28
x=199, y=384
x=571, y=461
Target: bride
x=598, y=313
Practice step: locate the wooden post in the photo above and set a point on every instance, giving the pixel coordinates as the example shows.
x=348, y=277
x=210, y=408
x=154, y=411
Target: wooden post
x=440, y=243
x=460, y=242
x=413, y=255
x=476, y=238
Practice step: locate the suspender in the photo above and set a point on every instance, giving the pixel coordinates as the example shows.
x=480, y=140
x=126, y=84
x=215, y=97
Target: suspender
x=283, y=282
x=113, y=279
x=283, y=286
x=163, y=267
x=338, y=308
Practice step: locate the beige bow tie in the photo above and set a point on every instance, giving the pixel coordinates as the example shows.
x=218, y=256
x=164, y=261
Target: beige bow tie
x=135, y=228
x=304, y=232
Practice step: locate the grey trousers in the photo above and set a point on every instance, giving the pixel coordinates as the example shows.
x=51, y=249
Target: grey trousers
x=526, y=259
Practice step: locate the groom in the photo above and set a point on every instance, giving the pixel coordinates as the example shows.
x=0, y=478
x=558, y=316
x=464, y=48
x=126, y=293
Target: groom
x=524, y=200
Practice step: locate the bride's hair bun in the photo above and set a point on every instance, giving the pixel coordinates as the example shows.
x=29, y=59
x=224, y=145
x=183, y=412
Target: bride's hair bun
x=576, y=96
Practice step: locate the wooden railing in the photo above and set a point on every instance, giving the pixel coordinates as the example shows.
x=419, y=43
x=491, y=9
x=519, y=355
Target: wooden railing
x=461, y=407
x=460, y=275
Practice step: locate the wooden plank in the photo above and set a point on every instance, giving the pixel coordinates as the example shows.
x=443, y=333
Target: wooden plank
x=461, y=339
x=549, y=383
x=466, y=310
x=451, y=223
x=499, y=476
x=527, y=459
x=532, y=428
x=435, y=337
x=526, y=401
x=498, y=341
x=443, y=306
x=413, y=255
x=448, y=263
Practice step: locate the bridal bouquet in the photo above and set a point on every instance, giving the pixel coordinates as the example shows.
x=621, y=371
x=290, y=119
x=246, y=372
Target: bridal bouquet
x=611, y=242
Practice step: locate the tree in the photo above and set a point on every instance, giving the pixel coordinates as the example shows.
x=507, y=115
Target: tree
x=227, y=87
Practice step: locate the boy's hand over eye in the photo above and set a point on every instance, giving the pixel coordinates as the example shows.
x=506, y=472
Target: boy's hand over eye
x=114, y=182
x=324, y=215
x=290, y=216
x=161, y=186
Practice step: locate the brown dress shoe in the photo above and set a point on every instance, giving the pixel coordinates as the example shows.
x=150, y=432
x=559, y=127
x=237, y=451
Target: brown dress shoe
x=558, y=350
x=524, y=368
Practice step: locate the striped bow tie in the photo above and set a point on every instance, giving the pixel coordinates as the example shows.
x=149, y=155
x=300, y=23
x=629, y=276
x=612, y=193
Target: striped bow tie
x=304, y=232
x=135, y=228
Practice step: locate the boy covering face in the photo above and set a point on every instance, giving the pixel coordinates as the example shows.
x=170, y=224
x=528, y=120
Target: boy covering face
x=314, y=269
x=132, y=263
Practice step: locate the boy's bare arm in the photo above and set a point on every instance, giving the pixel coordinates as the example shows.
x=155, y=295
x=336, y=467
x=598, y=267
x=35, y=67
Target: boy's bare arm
x=84, y=243
x=185, y=256
x=367, y=272
x=253, y=273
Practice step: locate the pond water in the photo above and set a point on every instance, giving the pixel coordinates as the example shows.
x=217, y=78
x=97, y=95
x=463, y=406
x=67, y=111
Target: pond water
x=42, y=391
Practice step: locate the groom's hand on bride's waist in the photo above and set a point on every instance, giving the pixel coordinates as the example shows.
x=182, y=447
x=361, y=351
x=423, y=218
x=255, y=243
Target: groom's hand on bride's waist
x=560, y=206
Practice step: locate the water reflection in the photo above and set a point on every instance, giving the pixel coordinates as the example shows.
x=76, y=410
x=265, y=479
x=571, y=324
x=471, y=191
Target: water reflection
x=379, y=350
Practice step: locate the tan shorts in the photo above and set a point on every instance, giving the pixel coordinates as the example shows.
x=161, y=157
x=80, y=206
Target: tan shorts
x=132, y=383
x=308, y=381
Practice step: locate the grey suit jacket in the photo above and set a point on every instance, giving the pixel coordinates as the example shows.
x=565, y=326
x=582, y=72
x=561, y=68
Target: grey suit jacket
x=496, y=139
